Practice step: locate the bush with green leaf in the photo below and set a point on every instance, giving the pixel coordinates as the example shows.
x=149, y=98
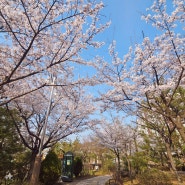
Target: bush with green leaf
x=139, y=162
x=153, y=177
x=50, y=169
x=78, y=165
x=109, y=166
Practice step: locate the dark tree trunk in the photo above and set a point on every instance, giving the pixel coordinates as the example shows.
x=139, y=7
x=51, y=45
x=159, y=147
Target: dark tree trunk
x=171, y=161
x=32, y=162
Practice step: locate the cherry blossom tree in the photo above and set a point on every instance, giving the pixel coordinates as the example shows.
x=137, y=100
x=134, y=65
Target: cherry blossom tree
x=38, y=38
x=67, y=116
x=118, y=138
x=152, y=71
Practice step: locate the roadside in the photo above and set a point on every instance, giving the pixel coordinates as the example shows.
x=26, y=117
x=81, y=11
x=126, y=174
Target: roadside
x=87, y=180
x=75, y=180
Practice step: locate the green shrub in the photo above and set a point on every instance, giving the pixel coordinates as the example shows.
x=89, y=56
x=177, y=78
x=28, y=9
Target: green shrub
x=50, y=169
x=154, y=177
x=139, y=162
x=78, y=165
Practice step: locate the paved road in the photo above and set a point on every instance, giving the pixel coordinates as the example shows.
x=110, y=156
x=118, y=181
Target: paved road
x=100, y=180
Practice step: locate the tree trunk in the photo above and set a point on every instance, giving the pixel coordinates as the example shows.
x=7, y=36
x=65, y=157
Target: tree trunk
x=119, y=164
x=135, y=144
x=172, y=164
x=118, y=173
x=161, y=158
x=179, y=126
x=36, y=171
x=32, y=162
x=129, y=169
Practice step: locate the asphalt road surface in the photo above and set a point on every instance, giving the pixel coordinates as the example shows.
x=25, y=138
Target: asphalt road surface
x=99, y=180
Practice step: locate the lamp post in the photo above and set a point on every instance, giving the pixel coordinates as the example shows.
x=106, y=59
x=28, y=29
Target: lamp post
x=37, y=162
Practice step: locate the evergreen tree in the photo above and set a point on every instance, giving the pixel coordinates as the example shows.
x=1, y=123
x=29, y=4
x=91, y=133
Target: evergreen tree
x=78, y=165
x=10, y=144
x=50, y=169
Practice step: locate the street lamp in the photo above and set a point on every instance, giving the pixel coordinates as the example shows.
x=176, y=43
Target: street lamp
x=37, y=163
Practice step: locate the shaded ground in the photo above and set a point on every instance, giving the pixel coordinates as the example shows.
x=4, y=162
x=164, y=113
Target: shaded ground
x=173, y=180
x=75, y=180
x=78, y=181
x=99, y=180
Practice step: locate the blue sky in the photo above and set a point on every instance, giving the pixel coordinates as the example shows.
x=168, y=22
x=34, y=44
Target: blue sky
x=127, y=26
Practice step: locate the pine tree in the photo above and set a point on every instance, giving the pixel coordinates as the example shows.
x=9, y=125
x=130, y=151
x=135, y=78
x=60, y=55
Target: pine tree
x=10, y=144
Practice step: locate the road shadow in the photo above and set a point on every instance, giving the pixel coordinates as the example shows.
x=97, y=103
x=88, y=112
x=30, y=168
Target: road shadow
x=75, y=180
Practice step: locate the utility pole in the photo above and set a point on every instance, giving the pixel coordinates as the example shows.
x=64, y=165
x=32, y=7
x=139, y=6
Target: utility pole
x=37, y=163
